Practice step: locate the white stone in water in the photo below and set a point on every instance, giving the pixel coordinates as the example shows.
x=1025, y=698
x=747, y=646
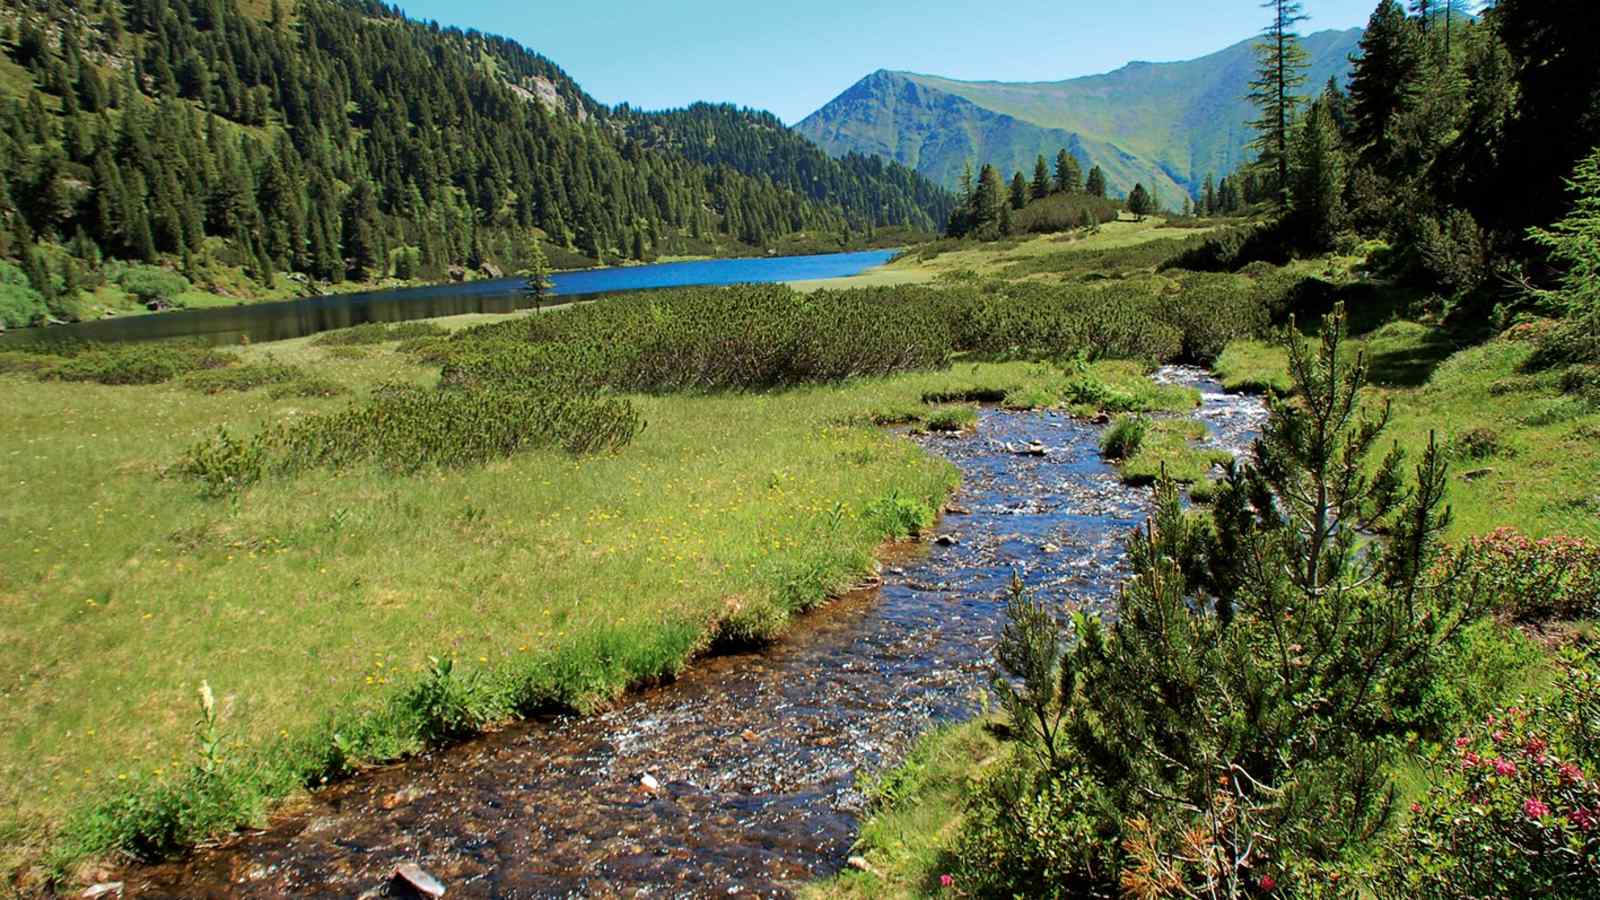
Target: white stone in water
x=650, y=783
x=104, y=889
x=425, y=884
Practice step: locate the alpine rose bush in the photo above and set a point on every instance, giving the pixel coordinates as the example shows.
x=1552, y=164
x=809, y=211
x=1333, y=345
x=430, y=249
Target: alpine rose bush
x=1550, y=578
x=1514, y=809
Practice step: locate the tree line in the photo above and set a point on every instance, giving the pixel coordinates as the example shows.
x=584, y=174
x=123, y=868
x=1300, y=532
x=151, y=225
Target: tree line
x=985, y=207
x=1459, y=131
x=347, y=142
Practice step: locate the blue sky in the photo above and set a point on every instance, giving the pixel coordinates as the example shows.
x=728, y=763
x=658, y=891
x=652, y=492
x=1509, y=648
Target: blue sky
x=793, y=56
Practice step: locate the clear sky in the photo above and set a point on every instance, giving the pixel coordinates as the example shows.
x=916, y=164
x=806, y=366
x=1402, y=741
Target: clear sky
x=792, y=56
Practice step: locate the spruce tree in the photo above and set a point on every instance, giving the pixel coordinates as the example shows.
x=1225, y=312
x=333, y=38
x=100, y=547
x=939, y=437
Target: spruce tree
x=1069, y=175
x=1041, y=179
x=1281, y=65
x=1139, y=202
x=1019, y=191
x=1096, y=186
x=1383, y=83
x=1316, y=191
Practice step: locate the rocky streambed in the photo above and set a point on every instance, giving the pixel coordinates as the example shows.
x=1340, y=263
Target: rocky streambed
x=741, y=777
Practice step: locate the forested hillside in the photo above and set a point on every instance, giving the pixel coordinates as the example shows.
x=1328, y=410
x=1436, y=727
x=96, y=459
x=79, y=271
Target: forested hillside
x=339, y=140
x=757, y=144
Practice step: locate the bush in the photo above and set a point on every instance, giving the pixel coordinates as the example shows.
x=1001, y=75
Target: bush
x=151, y=284
x=952, y=419
x=1514, y=804
x=1123, y=439
x=241, y=378
x=378, y=333
x=1535, y=580
x=128, y=364
x=1237, y=718
x=1476, y=444
x=224, y=465
x=897, y=516
x=20, y=306
x=405, y=428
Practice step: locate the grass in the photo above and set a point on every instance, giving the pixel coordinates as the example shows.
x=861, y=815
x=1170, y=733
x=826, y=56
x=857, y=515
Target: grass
x=1533, y=449
x=1169, y=445
x=916, y=810
x=330, y=592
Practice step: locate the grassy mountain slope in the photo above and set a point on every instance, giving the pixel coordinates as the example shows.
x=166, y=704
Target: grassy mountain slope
x=1166, y=124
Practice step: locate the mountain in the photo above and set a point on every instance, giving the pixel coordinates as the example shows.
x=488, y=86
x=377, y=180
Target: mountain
x=338, y=139
x=1164, y=124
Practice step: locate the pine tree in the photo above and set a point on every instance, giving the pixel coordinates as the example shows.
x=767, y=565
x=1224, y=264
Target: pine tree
x=987, y=200
x=1316, y=191
x=537, y=272
x=1041, y=179
x=1069, y=175
x=1281, y=65
x=1019, y=191
x=1097, y=183
x=1139, y=202
x=1383, y=84
x=1208, y=197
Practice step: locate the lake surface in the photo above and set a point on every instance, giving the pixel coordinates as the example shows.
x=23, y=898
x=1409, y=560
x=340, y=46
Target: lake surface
x=286, y=319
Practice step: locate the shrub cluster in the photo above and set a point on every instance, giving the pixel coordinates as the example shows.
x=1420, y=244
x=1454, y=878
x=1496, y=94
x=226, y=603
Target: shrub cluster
x=744, y=337
x=1534, y=580
x=116, y=364
x=377, y=333
x=1513, y=807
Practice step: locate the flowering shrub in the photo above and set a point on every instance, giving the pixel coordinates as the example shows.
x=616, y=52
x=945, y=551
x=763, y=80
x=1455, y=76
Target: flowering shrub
x=1556, y=577
x=1514, y=809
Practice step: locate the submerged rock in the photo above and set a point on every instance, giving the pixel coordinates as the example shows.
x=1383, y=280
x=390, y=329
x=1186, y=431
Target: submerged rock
x=104, y=889
x=649, y=782
x=946, y=540
x=419, y=880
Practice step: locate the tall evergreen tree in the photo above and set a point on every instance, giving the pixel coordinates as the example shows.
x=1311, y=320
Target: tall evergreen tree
x=1096, y=186
x=1019, y=191
x=1069, y=174
x=1383, y=83
x=1281, y=64
x=1316, y=190
x=1139, y=202
x=1041, y=179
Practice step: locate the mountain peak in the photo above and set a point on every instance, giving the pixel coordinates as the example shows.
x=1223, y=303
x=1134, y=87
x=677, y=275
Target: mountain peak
x=1165, y=124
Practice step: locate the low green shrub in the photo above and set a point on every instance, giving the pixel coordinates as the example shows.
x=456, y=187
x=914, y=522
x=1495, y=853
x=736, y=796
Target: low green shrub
x=20, y=305
x=224, y=465
x=1123, y=439
x=1476, y=444
x=128, y=364
x=308, y=387
x=241, y=378
x=152, y=284
x=378, y=333
x=406, y=428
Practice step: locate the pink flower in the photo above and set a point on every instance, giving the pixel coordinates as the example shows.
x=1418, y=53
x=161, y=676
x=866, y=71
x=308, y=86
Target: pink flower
x=1416, y=808
x=1535, y=808
x=1268, y=882
x=1583, y=819
x=1498, y=736
x=1504, y=767
x=946, y=881
x=1469, y=760
x=1570, y=773
x=1462, y=742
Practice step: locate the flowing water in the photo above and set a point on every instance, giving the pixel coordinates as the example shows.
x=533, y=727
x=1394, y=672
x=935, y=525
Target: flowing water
x=756, y=755
x=286, y=319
